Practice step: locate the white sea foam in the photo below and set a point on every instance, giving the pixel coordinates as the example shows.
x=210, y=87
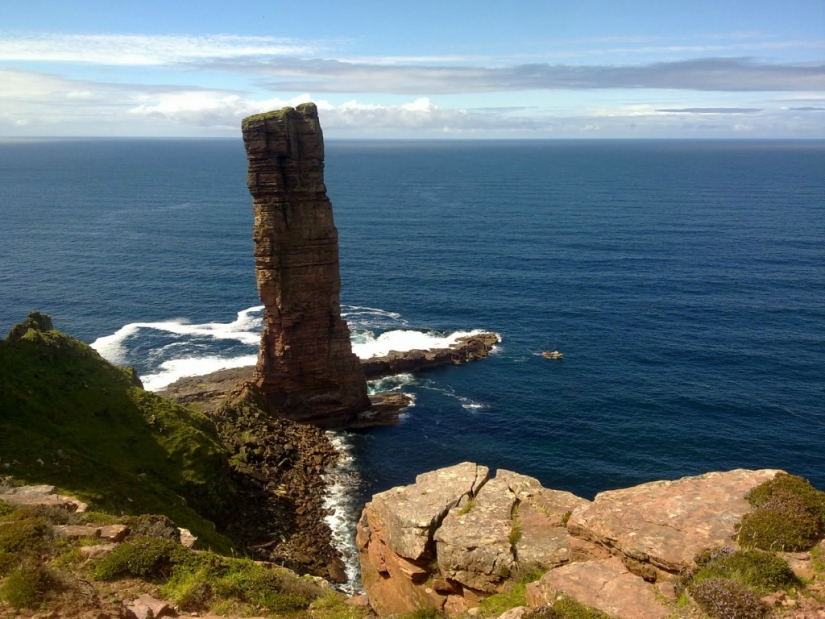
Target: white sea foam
x=390, y=383
x=245, y=329
x=367, y=345
x=341, y=503
x=174, y=369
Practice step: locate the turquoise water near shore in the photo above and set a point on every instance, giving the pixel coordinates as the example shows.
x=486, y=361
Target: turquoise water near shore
x=684, y=282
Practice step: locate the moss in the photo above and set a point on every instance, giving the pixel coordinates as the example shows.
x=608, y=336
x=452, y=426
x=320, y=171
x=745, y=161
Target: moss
x=101, y=438
x=35, y=321
x=515, y=534
x=818, y=558
x=762, y=571
x=727, y=599
x=511, y=597
x=783, y=523
x=5, y=509
x=27, y=586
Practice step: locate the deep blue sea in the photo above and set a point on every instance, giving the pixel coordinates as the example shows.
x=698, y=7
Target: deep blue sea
x=684, y=282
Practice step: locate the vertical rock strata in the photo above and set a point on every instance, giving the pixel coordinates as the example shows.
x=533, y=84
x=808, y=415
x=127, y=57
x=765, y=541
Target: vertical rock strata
x=306, y=367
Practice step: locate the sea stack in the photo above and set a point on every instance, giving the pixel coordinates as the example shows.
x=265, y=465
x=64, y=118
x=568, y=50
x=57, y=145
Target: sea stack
x=306, y=368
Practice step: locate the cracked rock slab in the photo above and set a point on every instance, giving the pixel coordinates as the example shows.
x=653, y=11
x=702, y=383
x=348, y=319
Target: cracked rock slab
x=473, y=547
x=476, y=544
x=412, y=512
x=394, y=537
x=657, y=528
x=606, y=585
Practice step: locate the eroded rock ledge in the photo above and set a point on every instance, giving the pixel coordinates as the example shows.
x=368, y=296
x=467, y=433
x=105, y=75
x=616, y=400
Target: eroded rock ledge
x=456, y=536
x=208, y=391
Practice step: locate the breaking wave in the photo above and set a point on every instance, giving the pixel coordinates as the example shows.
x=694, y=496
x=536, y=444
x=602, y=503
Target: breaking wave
x=166, y=351
x=342, y=504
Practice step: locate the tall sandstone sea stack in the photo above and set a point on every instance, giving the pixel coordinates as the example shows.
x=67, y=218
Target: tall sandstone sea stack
x=306, y=367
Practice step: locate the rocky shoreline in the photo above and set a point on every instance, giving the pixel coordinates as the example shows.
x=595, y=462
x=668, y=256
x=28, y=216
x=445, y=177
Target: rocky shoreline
x=209, y=390
x=281, y=464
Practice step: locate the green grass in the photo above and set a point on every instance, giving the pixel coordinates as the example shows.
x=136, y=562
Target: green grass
x=40, y=564
x=466, y=509
x=203, y=581
x=71, y=419
x=513, y=595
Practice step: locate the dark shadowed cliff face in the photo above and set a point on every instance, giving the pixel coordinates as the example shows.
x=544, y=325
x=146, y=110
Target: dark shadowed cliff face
x=306, y=366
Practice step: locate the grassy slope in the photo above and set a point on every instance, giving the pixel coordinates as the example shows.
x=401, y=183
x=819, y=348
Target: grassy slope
x=103, y=439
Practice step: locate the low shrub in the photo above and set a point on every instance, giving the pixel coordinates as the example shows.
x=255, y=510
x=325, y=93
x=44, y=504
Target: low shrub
x=792, y=485
x=26, y=586
x=6, y=509
x=752, y=568
x=723, y=598
x=276, y=590
x=154, y=525
x=782, y=523
x=24, y=537
x=8, y=561
x=566, y=607
x=144, y=557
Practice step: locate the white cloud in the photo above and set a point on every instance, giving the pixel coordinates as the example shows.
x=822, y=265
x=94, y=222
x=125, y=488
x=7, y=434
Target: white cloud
x=141, y=49
x=47, y=105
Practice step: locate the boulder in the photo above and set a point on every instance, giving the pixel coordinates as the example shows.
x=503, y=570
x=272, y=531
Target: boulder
x=395, y=537
x=187, y=539
x=607, y=585
x=453, y=538
x=158, y=608
x=98, y=551
x=515, y=613
x=114, y=532
x=657, y=528
x=71, y=531
x=41, y=495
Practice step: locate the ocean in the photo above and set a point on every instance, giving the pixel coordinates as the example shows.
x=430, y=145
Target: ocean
x=684, y=281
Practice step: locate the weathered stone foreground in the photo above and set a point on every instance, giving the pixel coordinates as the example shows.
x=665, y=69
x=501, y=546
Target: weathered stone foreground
x=306, y=368
x=457, y=536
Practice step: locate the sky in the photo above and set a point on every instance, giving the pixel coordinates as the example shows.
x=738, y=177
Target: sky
x=426, y=69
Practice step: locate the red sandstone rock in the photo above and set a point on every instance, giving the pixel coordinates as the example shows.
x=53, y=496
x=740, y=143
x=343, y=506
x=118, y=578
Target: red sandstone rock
x=306, y=368
x=657, y=528
x=427, y=545
x=606, y=585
